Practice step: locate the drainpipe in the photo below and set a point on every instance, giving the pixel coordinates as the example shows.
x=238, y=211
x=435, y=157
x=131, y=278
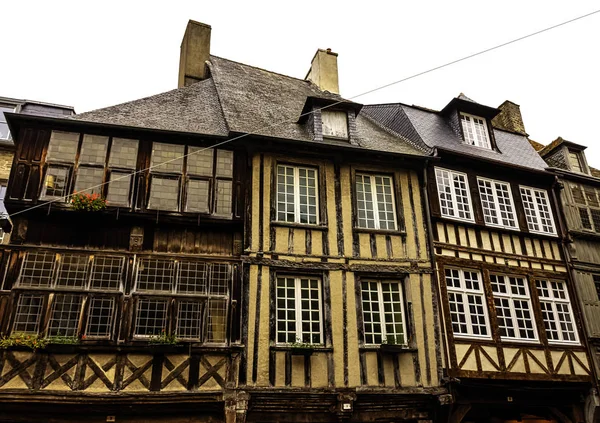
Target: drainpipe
x=564, y=235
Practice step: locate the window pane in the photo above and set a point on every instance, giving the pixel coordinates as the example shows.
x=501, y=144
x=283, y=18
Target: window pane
x=308, y=195
x=513, y=307
x=107, y=272
x=488, y=203
x=28, y=314
x=224, y=198
x=189, y=320
x=63, y=146
x=100, y=318
x=119, y=189
x=55, y=184
x=286, y=310
x=38, y=269
x=73, y=271
x=285, y=194
x=164, y=194
x=4, y=132
x=224, y=163
x=155, y=275
x=530, y=211
x=89, y=180
x=310, y=309
x=364, y=201
x=335, y=124
x=93, y=149
x=467, y=303
x=385, y=202
x=193, y=278
x=200, y=161
x=167, y=157
x=123, y=153
x=151, y=317
x=556, y=311
x=197, y=196
x=575, y=162
x=66, y=311
x=216, y=330
x=220, y=279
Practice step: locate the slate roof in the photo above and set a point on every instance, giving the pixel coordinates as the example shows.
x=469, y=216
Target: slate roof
x=431, y=130
x=240, y=98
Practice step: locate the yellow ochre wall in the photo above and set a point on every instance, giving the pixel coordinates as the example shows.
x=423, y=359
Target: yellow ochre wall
x=402, y=255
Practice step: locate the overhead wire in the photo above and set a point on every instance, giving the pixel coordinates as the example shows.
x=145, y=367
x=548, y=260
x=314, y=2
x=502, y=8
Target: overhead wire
x=453, y=62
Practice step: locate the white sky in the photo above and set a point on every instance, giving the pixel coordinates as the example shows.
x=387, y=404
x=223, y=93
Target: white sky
x=97, y=55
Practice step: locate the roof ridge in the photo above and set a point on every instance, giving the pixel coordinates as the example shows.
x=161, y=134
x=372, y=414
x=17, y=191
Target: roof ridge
x=216, y=88
x=396, y=134
x=262, y=69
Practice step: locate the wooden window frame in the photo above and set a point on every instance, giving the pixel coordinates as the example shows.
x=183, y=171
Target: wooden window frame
x=585, y=208
x=536, y=210
x=375, y=202
x=496, y=203
x=324, y=112
x=454, y=208
x=296, y=187
x=553, y=301
x=485, y=143
x=381, y=303
x=464, y=291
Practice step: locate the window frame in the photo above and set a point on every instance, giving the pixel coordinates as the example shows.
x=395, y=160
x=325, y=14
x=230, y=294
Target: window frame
x=578, y=157
x=536, y=210
x=375, y=202
x=9, y=109
x=381, y=303
x=471, y=122
x=453, y=195
x=497, y=205
x=332, y=113
x=584, y=206
x=511, y=297
x=553, y=301
x=464, y=291
x=298, y=311
x=297, y=206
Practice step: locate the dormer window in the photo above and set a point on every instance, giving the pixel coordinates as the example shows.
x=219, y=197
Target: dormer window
x=576, y=161
x=335, y=124
x=475, y=130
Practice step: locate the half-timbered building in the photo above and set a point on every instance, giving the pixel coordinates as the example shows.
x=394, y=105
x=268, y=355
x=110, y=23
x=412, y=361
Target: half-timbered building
x=263, y=256
x=514, y=348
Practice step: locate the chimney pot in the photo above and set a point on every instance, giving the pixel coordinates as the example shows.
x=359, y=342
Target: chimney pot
x=195, y=52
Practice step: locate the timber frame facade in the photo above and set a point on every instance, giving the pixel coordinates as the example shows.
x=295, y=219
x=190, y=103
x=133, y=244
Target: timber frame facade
x=285, y=276
x=502, y=271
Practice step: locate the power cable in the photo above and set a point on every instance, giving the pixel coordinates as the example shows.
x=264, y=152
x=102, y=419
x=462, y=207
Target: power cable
x=470, y=56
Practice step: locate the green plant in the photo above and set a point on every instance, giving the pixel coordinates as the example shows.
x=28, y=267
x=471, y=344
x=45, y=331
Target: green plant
x=63, y=340
x=164, y=339
x=87, y=202
x=393, y=340
x=33, y=342
x=300, y=344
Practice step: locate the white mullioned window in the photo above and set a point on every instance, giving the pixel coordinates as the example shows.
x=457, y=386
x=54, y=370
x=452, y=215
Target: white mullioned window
x=298, y=310
x=375, y=202
x=513, y=307
x=454, y=196
x=497, y=203
x=475, y=130
x=297, y=199
x=537, y=210
x=557, y=312
x=383, y=313
x=466, y=298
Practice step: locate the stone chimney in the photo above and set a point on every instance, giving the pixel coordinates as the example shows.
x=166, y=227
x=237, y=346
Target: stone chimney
x=510, y=118
x=195, y=51
x=324, y=71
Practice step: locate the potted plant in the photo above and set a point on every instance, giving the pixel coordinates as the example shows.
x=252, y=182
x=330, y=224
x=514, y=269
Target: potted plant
x=302, y=348
x=23, y=341
x=392, y=343
x=87, y=202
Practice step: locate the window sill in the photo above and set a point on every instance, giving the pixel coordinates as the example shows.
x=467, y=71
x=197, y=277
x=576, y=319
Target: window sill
x=389, y=348
x=299, y=225
x=306, y=351
x=380, y=231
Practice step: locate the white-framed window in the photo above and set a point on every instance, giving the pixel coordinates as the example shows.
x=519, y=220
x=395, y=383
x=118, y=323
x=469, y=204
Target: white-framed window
x=4, y=132
x=466, y=298
x=557, y=312
x=298, y=310
x=297, y=194
x=454, y=196
x=497, y=203
x=537, y=210
x=513, y=307
x=375, y=201
x=334, y=124
x=383, y=313
x=475, y=130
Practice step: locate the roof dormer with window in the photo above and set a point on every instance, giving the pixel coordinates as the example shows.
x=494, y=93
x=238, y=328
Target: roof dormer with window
x=329, y=120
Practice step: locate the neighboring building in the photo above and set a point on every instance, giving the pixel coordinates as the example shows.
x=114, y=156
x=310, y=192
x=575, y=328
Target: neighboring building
x=515, y=349
x=292, y=266
x=28, y=107
x=580, y=197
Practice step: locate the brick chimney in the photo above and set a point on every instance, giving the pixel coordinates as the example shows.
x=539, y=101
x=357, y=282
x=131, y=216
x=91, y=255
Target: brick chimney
x=195, y=51
x=324, y=71
x=510, y=118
